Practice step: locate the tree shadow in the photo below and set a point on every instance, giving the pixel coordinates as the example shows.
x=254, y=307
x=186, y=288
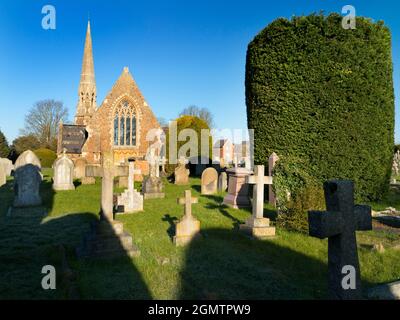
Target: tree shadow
x=31, y=239
x=229, y=265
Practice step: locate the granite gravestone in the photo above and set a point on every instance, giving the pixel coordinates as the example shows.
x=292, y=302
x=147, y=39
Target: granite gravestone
x=222, y=182
x=209, y=181
x=3, y=176
x=188, y=227
x=181, y=173
x=63, y=173
x=7, y=165
x=339, y=224
x=80, y=172
x=27, y=157
x=27, y=180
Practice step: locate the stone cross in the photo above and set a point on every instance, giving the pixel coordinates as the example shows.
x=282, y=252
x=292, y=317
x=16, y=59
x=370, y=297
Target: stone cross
x=162, y=162
x=188, y=200
x=182, y=161
x=258, y=179
x=188, y=227
x=273, y=158
x=107, y=172
x=339, y=224
x=131, y=174
x=154, y=164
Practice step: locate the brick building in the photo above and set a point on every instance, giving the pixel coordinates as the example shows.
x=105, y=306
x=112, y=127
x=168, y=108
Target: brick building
x=120, y=124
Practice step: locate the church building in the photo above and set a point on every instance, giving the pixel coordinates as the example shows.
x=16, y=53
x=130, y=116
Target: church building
x=120, y=124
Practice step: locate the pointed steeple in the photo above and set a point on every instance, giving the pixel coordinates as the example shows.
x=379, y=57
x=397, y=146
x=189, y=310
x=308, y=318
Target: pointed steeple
x=87, y=86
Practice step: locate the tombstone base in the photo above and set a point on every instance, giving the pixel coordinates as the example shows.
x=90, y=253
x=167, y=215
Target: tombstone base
x=258, y=228
x=186, y=231
x=64, y=187
x=107, y=240
x=155, y=195
x=236, y=201
x=181, y=183
x=88, y=180
x=131, y=201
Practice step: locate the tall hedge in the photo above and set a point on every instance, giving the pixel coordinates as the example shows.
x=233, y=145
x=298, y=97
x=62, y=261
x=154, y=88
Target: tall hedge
x=325, y=94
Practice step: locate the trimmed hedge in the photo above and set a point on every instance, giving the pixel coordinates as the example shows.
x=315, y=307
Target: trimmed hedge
x=324, y=94
x=46, y=157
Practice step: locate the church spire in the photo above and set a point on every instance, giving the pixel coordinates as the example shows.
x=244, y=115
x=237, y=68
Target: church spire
x=87, y=86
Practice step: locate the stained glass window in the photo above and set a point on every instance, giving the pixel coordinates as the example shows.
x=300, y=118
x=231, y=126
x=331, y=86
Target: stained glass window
x=125, y=125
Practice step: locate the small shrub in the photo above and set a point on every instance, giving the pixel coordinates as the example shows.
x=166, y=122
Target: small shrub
x=294, y=216
x=296, y=192
x=46, y=157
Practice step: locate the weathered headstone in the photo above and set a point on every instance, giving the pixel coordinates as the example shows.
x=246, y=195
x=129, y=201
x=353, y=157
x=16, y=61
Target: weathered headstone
x=3, y=176
x=222, y=182
x=80, y=172
x=257, y=225
x=209, y=181
x=63, y=173
x=7, y=165
x=107, y=237
x=339, y=224
x=271, y=164
x=131, y=200
x=238, y=189
x=27, y=157
x=152, y=186
x=182, y=173
x=188, y=227
x=27, y=180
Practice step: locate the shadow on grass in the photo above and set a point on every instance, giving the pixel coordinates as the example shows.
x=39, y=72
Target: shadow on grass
x=229, y=265
x=30, y=240
x=196, y=188
x=172, y=226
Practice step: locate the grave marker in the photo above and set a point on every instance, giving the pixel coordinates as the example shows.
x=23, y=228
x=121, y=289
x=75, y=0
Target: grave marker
x=257, y=225
x=339, y=224
x=188, y=227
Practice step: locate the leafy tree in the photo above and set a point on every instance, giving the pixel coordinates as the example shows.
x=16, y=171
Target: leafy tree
x=24, y=143
x=4, y=148
x=42, y=122
x=46, y=157
x=202, y=113
x=188, y=122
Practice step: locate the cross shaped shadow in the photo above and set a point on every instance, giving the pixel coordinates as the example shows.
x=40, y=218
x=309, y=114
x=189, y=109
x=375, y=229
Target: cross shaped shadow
x=171, y=221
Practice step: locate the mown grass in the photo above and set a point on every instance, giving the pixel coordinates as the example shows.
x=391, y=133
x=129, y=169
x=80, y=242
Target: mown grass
x=222, y=264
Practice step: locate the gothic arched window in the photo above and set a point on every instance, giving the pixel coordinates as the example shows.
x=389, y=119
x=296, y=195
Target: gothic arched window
x=125, y=125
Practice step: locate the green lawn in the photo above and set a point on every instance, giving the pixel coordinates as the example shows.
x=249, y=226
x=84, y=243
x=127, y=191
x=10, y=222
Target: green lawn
x=223, y=264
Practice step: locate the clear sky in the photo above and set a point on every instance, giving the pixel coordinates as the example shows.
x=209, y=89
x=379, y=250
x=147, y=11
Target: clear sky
x=179, y=52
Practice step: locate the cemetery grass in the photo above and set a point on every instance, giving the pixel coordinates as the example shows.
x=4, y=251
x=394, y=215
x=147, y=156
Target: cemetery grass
x=222, y=264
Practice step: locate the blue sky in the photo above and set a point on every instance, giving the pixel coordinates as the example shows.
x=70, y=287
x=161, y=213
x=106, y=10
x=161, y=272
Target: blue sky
x=179, y=52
